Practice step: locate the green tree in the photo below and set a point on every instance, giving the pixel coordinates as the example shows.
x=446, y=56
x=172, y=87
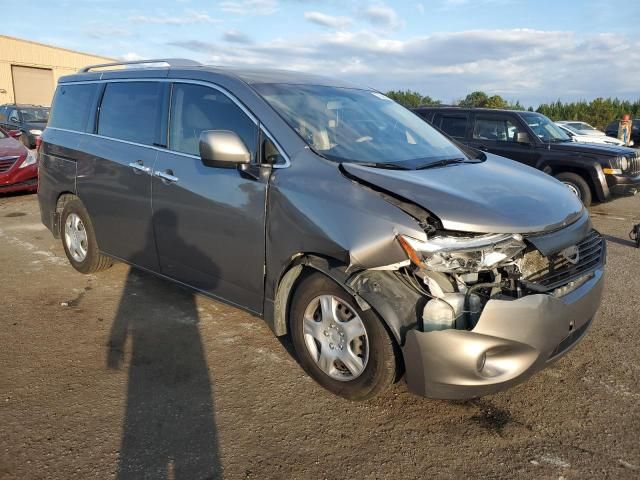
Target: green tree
x=474, y=99
x=411, y=99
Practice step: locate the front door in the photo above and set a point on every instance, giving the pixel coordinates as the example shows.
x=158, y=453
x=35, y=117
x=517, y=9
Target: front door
x=114, y=178
x=497, y=133
x=209, y=222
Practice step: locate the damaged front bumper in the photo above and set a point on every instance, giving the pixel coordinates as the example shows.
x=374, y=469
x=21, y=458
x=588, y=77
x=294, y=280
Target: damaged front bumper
x=513, y=339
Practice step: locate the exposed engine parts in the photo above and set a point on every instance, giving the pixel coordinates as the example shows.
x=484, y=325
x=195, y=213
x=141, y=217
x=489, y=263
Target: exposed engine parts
x=459, y=275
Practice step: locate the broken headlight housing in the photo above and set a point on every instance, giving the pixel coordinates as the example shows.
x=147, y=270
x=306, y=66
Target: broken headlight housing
x=458, y=254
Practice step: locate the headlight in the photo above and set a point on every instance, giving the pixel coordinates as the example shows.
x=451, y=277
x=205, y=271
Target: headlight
x=624, y=163
x=30, y=160
x=35, y=132
x=462, y=254
x=618, y=164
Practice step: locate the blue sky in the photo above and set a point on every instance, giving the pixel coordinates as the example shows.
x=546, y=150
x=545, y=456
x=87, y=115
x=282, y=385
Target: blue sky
x=532, y=51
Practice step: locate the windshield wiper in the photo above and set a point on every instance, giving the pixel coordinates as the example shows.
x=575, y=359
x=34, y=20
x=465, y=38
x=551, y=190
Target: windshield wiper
x=387, y=165
x=447, y=161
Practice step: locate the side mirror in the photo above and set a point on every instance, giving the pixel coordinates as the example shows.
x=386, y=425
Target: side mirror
x=14, y=119
x=15, y=133
x=523, y=137
x=223, y=148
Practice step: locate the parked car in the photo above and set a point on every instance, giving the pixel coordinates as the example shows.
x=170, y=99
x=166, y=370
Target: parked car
x=580, y=136
x=581, y=127
x=31, y=120
x=18, y=166
x=332, y=212
x=591, y=171
x=612, y=130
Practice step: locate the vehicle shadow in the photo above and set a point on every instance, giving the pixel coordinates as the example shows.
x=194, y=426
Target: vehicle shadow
x=169, y=428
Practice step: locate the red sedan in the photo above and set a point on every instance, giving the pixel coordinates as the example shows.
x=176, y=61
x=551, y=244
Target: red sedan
x=18, y=166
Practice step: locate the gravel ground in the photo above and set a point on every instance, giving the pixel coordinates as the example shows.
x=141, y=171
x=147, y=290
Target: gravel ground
x=122, y=375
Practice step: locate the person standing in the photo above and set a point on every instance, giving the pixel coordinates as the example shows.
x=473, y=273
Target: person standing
x=624, y=129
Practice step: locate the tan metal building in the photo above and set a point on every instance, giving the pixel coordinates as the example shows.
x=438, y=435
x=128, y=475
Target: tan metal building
x=29, y=71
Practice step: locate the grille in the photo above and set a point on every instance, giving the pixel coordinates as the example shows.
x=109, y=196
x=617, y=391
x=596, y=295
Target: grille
x=6, y=163
x=555, y=271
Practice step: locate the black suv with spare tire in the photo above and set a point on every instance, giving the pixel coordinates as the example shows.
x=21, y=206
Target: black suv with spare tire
x=592, y=171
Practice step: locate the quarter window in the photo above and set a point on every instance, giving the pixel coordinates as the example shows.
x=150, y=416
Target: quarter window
x=496, y=129
x=196, y=108
x=131, y=111
x=72, y=105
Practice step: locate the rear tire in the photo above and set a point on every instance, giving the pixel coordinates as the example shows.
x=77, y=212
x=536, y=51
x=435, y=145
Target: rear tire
x=367, y=347
x=79, y=239
x=578, y=186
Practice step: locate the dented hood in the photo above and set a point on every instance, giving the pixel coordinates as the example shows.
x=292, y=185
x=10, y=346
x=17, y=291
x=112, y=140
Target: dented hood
x=494, y=196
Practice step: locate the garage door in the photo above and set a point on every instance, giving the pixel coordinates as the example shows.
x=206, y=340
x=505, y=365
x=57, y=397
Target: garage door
x=32, y=85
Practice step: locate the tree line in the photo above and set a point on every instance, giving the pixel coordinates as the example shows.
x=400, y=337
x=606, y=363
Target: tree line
x=599, y=112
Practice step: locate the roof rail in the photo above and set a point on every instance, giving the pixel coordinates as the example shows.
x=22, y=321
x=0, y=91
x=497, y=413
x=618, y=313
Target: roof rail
x=171, y=62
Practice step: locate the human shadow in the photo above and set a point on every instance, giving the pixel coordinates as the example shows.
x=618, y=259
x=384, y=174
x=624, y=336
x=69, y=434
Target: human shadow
x=169, y=428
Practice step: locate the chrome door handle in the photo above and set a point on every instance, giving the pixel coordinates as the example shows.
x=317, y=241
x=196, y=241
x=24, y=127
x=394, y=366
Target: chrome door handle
x=167, y=176
x=139, y=166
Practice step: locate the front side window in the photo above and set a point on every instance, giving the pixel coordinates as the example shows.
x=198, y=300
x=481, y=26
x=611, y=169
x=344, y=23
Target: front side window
x=545, y=129
x=495, y=129
x=354, y=125
x=72, y=105
x=131, y=111
x=196, y=108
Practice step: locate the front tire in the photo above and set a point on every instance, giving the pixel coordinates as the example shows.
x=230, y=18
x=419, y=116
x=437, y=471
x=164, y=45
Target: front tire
x=347, y=351
x=577, y=185
x=79, y=239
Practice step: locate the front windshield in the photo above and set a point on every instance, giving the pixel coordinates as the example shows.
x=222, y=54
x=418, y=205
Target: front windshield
x=544, y=128
x=582, y=126
x=34, y=114
x=352, y=125
x=567, y=126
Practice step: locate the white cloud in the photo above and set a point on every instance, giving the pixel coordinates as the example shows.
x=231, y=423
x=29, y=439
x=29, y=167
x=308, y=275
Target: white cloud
x=250, y=7
x=420, y=8
x=337, y=23
x=529, y=65
x=131, y=57
x=381, y=15
x=189, y=17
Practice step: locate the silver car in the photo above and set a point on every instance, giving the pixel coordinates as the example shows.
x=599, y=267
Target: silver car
x=377, y=244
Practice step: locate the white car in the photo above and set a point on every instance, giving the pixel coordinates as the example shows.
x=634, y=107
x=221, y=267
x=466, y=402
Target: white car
x=581, y=127
x=580, y=135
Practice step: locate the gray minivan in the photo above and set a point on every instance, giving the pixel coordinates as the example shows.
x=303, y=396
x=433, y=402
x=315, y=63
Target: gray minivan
x=338, y=216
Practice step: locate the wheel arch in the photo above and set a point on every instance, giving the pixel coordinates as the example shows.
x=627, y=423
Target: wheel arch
x=397, y=305
x=590, y=171
x=61, y=201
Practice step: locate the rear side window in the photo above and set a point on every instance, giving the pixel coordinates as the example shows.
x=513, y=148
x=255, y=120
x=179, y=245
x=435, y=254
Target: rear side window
x=72, y=105
x=453, y=125
x=195, y=108
x=131, y=111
